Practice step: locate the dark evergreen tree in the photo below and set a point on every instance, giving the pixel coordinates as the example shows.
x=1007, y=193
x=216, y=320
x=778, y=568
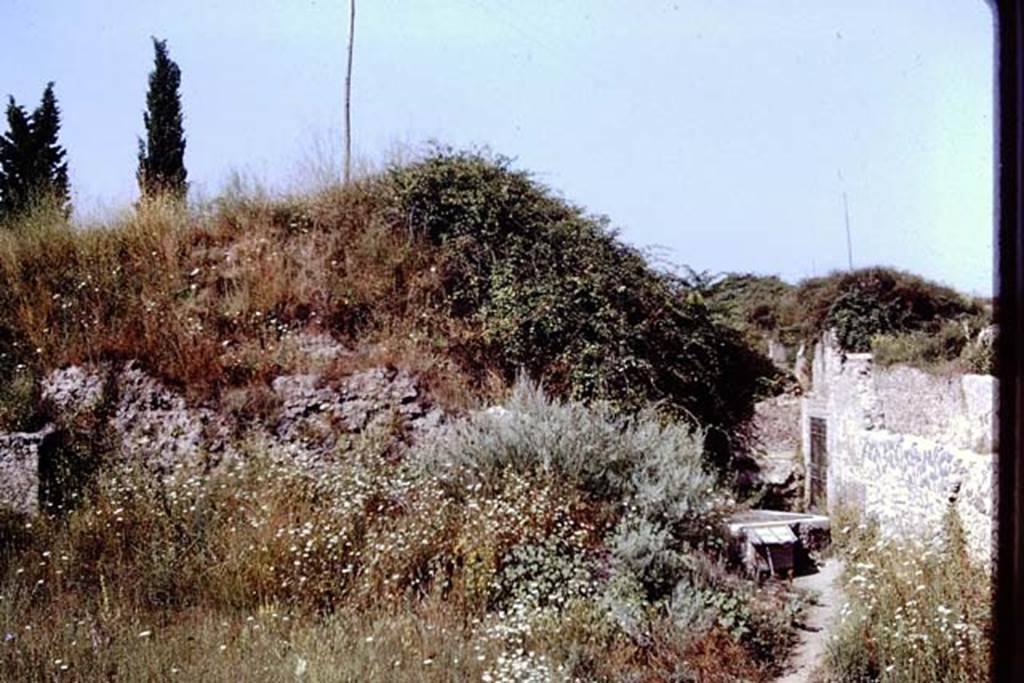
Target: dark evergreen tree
x=51, y=170
x=32, y=165
x=162, y=153
x=16, y=150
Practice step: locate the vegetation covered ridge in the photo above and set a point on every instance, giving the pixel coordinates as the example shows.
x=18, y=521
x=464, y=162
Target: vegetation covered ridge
x=899, y=316
x=455, y=262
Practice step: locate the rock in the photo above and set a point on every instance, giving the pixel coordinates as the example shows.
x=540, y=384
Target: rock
x=777, y=424
x=157, y=423
x=801, y=369
x=157, y=426
x=775, y=479
x=778, y=354
x=73, y=389
x=315, y=415
x=19, y=470
x=152, y=423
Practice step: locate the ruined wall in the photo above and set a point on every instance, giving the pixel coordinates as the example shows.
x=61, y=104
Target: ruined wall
x=956, y=409
x=904, y=445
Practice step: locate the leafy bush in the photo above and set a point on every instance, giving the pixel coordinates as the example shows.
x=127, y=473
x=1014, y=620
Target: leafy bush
x=654, y=468
x=557, y=294
x=864, y=303
x=963, y=345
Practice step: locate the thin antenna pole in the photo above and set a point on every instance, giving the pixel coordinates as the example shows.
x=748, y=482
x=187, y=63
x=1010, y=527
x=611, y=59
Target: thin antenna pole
x=348, y=91
x=846, y=215
x=849, y=245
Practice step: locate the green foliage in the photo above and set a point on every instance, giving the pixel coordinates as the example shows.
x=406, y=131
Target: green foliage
x=859, y=305
x=752, y=304
x=865, y=303
x=17, y=147
x=32, y=166
x=557, y=294
x=51, y=169
x=963, y=345
x=162, y=154
x=707, y=597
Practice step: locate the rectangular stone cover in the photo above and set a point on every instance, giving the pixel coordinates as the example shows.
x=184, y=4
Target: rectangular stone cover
x=771, y=535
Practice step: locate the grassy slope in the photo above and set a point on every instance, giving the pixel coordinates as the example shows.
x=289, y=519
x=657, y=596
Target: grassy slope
x=463, y=272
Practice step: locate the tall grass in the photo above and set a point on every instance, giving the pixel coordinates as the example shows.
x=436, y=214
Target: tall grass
x=372, y=569
x=209, y=298
x=916, y=611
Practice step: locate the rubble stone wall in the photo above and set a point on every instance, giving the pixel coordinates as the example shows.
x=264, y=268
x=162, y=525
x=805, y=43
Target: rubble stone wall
x=903, y=445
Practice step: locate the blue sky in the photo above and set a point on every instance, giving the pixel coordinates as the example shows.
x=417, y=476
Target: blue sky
x=722, y=132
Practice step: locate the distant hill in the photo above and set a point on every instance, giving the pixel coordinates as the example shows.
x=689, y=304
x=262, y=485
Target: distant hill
x=899, y=315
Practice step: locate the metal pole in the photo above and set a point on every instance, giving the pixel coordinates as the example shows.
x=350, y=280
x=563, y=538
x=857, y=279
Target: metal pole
x=348, y=92
x=849, y=245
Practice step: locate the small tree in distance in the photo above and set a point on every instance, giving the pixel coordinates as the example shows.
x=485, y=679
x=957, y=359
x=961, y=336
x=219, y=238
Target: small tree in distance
x=162, y=153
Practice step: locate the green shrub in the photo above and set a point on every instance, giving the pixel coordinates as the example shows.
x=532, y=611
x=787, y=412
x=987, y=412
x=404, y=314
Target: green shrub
x=864, y=303
x=555, y=293
x=962, y=345
x=752, y=304
x=656, y=469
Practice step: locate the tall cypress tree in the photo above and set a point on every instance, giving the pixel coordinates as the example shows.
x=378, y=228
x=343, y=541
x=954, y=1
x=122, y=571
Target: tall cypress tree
x=16, y=150
x=32, y=165
x=162, y=153
x=51, y=173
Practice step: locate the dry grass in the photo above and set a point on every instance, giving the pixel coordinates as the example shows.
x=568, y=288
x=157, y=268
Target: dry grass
x=208, y=299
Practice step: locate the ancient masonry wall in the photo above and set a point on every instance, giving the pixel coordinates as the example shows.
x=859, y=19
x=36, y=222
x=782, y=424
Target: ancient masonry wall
x=903, y=445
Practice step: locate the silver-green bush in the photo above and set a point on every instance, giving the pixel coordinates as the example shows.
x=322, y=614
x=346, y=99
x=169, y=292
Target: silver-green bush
x=654, y=469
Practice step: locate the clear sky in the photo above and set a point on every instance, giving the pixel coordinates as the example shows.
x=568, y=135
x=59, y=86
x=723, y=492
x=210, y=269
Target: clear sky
x=724, y=132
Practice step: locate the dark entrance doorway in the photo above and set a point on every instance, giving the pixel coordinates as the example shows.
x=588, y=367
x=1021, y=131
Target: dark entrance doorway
x=819, y=463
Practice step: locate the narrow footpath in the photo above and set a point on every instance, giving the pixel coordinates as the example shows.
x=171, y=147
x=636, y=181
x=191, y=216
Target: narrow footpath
x=817, y=622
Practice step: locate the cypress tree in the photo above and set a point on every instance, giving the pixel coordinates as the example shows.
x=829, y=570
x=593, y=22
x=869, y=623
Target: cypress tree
x=162, y=153
x=16, y=150
x=32, y=165
x=51, y=170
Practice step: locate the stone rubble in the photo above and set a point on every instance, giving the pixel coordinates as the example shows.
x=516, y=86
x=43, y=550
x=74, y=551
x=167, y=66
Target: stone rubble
x=157, y=426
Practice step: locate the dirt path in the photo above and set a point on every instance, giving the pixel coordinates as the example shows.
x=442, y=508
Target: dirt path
x=817, y=621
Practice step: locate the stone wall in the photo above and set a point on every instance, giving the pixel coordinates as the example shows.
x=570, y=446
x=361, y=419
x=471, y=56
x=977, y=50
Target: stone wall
x=19, y=471
x=903, y=445
x=308, y=418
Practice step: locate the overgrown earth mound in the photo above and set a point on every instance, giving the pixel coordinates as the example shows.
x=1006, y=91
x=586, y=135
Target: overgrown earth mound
x=900, y=317
x=437, y=425
x=456, y=266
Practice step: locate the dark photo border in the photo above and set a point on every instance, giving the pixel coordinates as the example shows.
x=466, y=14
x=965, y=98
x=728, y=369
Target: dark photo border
x=1008, y=605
